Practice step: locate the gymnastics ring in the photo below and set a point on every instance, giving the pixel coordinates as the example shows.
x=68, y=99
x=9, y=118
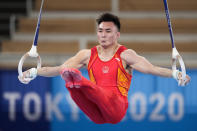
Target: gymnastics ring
x=176, y=57
x=24, y=57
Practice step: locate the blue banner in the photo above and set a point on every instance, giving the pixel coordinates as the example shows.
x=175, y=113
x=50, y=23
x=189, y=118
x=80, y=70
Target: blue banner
x=155, y=103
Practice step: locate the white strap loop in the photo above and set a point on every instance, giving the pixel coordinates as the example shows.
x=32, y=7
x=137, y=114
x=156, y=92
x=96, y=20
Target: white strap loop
x=175, y=57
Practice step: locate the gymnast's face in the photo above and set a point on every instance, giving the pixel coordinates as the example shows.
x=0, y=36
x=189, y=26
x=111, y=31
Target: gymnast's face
x=107, y=34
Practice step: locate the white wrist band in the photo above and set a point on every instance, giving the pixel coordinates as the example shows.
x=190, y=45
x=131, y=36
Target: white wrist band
x=33, y=73
x=175, y=74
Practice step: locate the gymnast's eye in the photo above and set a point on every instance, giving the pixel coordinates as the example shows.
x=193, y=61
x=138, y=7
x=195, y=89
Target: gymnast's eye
x=108, y=30
x=100, y=30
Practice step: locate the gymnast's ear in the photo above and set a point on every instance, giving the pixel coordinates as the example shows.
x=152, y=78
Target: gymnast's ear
x=118, y=34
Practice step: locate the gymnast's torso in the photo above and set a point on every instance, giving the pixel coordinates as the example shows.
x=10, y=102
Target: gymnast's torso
x=109, y=73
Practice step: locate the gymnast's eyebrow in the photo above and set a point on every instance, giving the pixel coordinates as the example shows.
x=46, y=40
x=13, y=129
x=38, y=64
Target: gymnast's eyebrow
x=107, y=29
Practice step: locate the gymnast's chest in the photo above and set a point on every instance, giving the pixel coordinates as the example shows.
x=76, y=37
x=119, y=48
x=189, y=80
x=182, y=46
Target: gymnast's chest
x=105, y=72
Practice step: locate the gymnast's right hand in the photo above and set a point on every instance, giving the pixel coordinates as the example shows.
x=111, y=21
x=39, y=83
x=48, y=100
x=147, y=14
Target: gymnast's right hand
x=28, y=76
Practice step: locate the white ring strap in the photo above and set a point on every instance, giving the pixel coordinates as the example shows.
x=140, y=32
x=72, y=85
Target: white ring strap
x=175, y=57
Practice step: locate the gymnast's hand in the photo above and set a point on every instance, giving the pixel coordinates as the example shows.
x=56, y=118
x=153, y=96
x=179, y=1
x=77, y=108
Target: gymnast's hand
x=178, y=76
x=28, y=76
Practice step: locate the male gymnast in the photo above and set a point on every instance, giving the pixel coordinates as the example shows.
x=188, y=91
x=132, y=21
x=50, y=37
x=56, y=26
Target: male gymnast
x=103, y=98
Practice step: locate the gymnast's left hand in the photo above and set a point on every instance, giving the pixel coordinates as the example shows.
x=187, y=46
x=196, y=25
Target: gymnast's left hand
x=183, y=82
x=178, y=76
x=28, y=76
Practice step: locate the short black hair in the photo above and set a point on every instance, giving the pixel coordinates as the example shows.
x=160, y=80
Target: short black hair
x=108, y=17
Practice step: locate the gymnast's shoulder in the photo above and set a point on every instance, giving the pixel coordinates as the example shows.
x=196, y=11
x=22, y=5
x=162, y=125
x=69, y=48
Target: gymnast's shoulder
x=84, y=54
x=128, y=52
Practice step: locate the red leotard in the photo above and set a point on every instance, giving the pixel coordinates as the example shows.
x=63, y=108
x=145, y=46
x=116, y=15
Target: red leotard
x=103, y=98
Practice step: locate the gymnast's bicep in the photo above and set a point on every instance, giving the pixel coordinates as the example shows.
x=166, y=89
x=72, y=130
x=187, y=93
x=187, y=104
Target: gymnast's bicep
x=136, y=61
x=77, y=61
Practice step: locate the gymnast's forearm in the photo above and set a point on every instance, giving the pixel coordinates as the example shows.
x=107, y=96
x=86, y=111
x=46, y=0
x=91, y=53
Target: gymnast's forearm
x=160, y=71
x=48, y=71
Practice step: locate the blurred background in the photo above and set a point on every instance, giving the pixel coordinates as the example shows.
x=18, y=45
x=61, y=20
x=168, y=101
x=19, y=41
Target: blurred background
x=67, y=26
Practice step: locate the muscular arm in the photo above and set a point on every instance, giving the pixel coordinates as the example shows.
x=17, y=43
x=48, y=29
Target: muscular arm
x=77, y=61
x=141, y=64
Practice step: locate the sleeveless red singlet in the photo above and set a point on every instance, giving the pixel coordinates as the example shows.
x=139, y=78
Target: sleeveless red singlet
x=110, y=73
